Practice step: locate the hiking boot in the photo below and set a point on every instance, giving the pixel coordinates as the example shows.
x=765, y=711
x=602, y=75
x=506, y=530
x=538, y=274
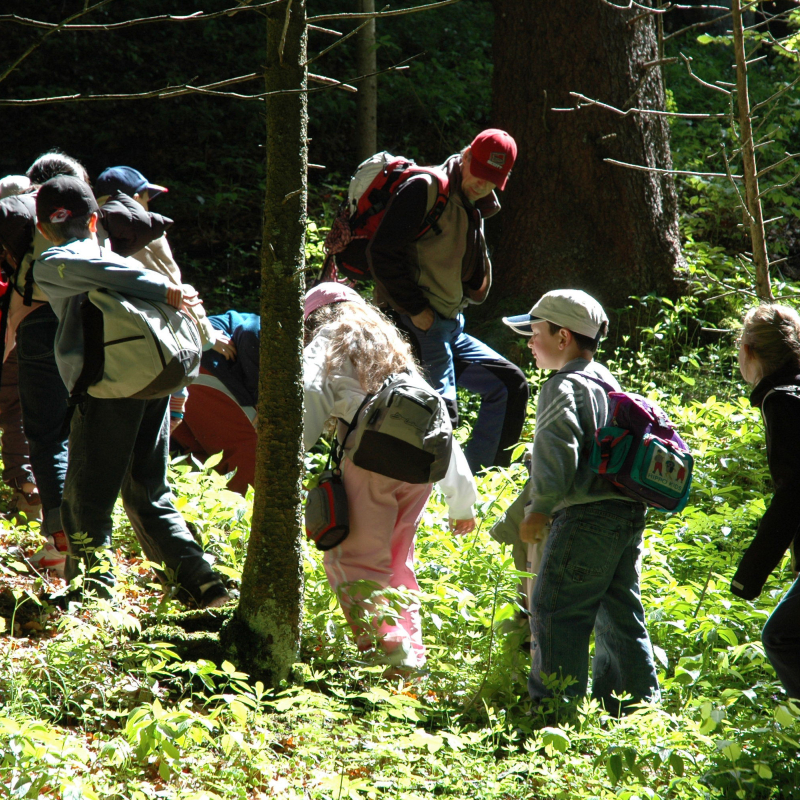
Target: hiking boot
x=213, y=595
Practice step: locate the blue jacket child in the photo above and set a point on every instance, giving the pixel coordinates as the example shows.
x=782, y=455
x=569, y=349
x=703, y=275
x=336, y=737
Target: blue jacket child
x=115, y=445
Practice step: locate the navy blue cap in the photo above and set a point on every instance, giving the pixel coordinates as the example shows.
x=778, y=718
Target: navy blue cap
x=127, y=180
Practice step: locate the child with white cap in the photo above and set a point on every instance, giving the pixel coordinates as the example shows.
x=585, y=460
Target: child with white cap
x=589, y=574
x=351, y=348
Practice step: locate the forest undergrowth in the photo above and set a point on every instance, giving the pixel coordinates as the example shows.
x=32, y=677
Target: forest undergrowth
x=97, y=704
x=111, y=702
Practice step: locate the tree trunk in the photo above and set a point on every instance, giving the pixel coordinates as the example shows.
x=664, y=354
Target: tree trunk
x=367, y=98
x=753, y=213
x=572, y=220
x=264, y=635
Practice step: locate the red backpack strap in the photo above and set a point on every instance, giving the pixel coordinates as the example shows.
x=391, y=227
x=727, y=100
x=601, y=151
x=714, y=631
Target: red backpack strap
x=431, y=220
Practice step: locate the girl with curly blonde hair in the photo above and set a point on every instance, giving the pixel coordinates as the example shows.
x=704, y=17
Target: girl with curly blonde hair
x=351, y=348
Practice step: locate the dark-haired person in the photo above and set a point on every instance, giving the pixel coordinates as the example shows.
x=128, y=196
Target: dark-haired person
x=15, y=239
x=32, y=327
x=220, y=414
x=116, y=445
x=52, y=163
x=119, y=187
x=429, y=280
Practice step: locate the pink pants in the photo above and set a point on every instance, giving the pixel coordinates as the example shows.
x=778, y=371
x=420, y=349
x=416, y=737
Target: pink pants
x=384, y=514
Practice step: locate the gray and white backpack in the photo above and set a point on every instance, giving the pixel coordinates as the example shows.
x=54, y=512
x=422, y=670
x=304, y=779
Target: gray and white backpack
x=402, y=431
x=136, y=348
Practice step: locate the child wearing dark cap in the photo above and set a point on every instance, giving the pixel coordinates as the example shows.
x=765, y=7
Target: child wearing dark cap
x=115, y=445
x=157, y=255
x=589, y=573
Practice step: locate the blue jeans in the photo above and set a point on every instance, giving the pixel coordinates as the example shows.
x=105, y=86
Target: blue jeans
x=44, y=408
x=121, y=445
x=452, y=358
x=781, y=637
x=589, y=579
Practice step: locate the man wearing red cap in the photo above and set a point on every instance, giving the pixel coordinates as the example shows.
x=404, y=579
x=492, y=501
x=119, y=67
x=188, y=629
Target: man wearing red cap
x=428, y=280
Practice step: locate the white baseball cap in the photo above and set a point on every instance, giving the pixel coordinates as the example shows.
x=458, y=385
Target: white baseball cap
x=572, y=309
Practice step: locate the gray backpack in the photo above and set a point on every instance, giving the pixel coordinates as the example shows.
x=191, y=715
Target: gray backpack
x=136, y=348
x=402, y=431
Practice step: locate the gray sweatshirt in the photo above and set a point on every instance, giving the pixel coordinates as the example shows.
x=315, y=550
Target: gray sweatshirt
x=67, y=272
x=568, y=412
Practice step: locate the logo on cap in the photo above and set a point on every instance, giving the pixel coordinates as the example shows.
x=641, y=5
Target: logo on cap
x=497, y=160
x=60, y=215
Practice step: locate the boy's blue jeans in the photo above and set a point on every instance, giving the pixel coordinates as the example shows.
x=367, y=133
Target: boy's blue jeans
x=589, y=579
x=451, y=357
x=44, y=407
x=121, y=445
x=781, y=637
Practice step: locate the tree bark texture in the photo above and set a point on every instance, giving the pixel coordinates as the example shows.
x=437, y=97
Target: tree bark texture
x=367, y=98
x=264, y=635
x=571, y=220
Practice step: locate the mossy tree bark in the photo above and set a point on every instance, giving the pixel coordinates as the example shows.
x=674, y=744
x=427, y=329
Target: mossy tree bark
x=264, y=635
x=570, y=219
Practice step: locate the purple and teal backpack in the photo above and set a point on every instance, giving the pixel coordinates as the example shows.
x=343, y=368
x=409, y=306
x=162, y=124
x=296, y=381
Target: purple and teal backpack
x=640, y=452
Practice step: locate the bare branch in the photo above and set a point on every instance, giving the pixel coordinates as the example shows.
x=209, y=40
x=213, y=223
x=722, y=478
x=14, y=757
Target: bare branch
x=340, y=41
x=286, y=21
x=647, y=66
x=730, y=289
x=733, y=183
x=789, y=157
x=776, y=95
x=163, y=93
x=60, y=26
x=588, y=101
x=128, y=23
x=706, y=23
x=669, y=171
x=169, y=92
x=324, y=30
x=778, y=186
x=332, y=82
x=632, y=4
x=377, y=14
x=779, y=44
x=688, y=61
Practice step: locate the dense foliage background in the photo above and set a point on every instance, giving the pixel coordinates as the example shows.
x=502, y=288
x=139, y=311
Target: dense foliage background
x=118, y=702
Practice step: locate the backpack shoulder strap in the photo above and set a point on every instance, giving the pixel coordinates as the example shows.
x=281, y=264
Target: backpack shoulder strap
x=599, y=381
x=337, y=449
x=431, y=218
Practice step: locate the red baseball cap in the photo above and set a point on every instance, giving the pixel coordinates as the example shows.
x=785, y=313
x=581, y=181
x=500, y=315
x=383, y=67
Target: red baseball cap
x=493, y=154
